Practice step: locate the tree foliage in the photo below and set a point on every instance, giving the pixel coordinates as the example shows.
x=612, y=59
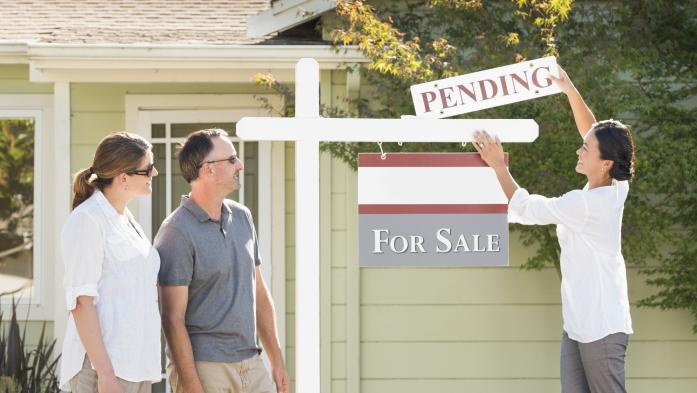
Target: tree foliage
x=633, y=60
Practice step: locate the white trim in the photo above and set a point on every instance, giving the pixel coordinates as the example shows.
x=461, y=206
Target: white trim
x=13, y=52
x=278, y=232
x=286, y=14
x=39, y=305
x=385, y=130
x=159, y=75
x=307, y=285
x=168, y=63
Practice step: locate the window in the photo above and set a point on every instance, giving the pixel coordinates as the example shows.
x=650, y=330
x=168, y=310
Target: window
x=169, y=185
x=17, y=138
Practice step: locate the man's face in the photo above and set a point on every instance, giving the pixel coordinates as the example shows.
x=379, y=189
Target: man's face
x=225, y=174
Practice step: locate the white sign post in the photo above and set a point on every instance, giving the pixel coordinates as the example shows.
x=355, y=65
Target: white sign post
x=307, y=129
x=485, y=89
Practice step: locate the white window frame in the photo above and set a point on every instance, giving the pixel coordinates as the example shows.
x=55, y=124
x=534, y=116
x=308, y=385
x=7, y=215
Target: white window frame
x=39, y=306
x=147, y=119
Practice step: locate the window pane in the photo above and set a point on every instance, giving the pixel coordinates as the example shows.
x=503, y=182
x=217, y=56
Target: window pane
x=158, y=187
x=16, y=204
x=179, y=185
x=158, y=130
x=251, y=180
x=250, y=172
x=181, y=130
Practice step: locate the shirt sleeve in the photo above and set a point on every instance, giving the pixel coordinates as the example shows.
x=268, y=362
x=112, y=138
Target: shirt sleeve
x=569, y=209
x=82, y=249
x=176, y=257
x=257, y=255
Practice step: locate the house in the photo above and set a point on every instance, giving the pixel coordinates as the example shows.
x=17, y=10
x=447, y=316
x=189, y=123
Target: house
x=78, y=70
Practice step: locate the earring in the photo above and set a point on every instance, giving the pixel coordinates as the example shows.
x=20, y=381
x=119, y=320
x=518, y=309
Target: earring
x=126, y=189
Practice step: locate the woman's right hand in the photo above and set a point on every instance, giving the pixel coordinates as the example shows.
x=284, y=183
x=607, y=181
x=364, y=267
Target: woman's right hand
x=108, y=384
x=563, y=82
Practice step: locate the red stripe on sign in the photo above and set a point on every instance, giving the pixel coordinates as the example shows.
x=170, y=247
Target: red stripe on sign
x=433, y=209
x=422, y=160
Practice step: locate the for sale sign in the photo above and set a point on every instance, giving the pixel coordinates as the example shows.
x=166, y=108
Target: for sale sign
x=485, y=89
x=425, y=209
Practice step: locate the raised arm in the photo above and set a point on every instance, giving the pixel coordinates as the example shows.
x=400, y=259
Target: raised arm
x=582, y=114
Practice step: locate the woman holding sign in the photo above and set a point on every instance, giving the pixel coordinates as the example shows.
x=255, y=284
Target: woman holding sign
x=595, y=304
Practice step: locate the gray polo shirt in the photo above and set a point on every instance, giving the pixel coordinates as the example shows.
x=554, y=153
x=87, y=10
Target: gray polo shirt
x=216, y=260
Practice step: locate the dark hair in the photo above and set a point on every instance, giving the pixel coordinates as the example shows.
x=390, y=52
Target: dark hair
x=616, y=144
x=192, y=153
x=117, y=153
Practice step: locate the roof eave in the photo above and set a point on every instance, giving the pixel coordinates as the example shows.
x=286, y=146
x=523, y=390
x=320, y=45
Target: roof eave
x=181, y=63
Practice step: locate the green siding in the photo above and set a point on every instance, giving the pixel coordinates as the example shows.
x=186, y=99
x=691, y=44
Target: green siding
x=14, y=79
x=99, y=108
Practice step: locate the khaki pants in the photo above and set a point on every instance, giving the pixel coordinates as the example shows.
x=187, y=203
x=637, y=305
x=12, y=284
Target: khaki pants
x=86, y=382
x=247, y=376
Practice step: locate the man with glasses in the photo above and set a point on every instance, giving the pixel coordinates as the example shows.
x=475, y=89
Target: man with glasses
x=213, y=297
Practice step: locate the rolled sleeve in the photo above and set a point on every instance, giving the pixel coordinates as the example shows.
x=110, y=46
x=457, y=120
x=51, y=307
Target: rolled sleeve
x=176, y=257
x=82, y=247
x=570, y=209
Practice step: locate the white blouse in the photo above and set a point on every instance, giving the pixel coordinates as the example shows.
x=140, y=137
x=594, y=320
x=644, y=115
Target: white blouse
x=106, y=258
x=594, y=278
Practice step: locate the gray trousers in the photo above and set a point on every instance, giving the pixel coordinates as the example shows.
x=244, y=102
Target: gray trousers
x=594, y=367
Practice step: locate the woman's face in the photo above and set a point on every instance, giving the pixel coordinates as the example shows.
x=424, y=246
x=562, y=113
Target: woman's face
x=139, y=181
x=589, y=161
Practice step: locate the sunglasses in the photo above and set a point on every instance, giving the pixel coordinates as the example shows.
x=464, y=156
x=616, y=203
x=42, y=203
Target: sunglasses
x=143, y=172
x=232, y=160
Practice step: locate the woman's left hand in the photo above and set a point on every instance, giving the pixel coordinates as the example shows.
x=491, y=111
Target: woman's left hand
x=490, y=149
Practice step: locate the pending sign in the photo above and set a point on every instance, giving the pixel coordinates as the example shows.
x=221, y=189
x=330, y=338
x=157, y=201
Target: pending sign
x=485, y=89
x=430, y=210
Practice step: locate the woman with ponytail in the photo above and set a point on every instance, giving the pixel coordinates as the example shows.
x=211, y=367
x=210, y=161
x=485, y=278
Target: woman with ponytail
x=595, y=304
x=112, y=340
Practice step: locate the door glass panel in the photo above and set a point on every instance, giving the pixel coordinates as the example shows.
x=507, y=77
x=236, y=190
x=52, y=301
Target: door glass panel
x=158, y=131
x=179, y=185
x=251, y=182
x=159, y=189
x=16, y=206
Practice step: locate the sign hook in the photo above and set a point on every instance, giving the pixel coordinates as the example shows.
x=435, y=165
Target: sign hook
x=382, y=153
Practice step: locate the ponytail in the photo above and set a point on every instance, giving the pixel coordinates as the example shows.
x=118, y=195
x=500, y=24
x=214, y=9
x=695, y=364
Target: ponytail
x=117, y=153
x=82, y=187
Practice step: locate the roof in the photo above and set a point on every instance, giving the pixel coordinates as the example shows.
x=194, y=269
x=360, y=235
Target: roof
x=130, y=21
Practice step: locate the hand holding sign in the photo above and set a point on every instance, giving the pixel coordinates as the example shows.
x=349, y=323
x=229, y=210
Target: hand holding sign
x=563, y=82
x=490, y=149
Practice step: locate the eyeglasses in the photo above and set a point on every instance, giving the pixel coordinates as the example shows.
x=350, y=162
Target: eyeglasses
x=143, y=172
x=232, y=160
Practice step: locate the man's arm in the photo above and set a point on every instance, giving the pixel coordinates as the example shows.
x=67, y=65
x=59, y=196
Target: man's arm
x=266, y=327
x=173, y=301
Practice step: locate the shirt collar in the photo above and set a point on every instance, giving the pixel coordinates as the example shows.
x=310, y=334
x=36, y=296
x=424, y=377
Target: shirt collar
x=198, y=211
x=104, y=204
